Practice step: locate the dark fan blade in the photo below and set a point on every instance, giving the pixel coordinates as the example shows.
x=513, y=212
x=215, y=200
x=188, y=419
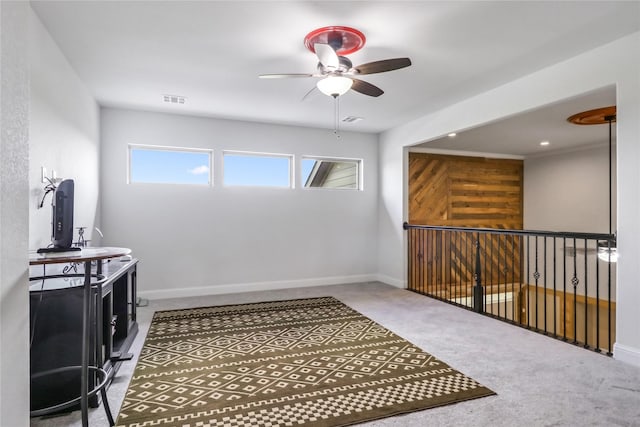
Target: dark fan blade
x=382, y=66
x=282, y=76
x=366, y=88
x=326, y=55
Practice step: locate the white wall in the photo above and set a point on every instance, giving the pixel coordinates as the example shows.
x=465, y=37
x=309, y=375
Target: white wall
x=64, y=136
x=569, y=191
x=615, y=63
x=14, y=156
x=195, y=240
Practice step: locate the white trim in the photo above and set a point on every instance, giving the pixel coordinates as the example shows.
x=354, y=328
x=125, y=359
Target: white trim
x=255, y=286
x=464, y=153
x=626, y=354
x=398, y=283
x=168, y=148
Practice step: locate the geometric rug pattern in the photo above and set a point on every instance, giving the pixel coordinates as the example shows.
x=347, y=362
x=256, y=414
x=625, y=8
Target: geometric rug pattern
x=311, y=362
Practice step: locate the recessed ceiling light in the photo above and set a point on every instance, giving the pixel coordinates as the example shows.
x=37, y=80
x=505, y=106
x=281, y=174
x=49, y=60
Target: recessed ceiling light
x=544, y=143
x=452, y=134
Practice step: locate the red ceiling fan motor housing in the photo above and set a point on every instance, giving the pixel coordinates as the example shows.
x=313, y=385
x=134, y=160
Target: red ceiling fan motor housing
x=344, y=40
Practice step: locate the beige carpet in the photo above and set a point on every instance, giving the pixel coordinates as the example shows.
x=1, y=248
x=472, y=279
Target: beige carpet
x=313, y=362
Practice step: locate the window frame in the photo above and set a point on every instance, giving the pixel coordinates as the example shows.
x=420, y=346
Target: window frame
x=359, y=172
x=239, y=153
x=147, y=147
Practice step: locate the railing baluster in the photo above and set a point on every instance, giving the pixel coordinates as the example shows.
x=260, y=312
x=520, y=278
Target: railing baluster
x=597, y=301
x=423, y=256
x=414, y=258
x=461, y=262
x=609, y=299
x=438, y=262
x=574, y=282
x=486, y=266
x=418, y=260
x=520, y=303
x=536, y=276
x=467, y=263
x=564, y=288
x=438, y=254
x=506, y=275
x=555, y=291
x=410, y=260
x=513, y=276
x=427, y=258
x=497, y=259
x=586, y=297
x=438, y=265
x=528, y=278
x=478, y=300
x=460, y=265
x=450, y=266
x=544, y=281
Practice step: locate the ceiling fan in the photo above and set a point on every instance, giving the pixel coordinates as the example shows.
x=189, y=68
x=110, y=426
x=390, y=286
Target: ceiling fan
x=336, y=72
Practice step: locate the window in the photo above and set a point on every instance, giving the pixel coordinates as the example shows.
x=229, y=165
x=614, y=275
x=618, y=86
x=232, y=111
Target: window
x=169, y=165
x=257, y=169
x=331, y=173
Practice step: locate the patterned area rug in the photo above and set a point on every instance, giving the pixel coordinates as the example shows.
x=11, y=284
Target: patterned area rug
x=312, y=362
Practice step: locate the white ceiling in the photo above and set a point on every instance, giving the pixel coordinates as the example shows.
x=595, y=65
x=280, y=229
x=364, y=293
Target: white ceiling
x=520, y=135
x=131, y=53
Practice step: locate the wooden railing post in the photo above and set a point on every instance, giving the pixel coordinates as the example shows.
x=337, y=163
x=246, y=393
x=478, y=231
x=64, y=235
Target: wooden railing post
x=478, y=298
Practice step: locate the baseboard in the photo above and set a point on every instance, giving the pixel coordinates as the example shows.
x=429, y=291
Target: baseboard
x=626, y=354
x=398, y=283
x=255, y=286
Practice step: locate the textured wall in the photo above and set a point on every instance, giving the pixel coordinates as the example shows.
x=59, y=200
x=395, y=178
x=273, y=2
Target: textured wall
x=14, y=153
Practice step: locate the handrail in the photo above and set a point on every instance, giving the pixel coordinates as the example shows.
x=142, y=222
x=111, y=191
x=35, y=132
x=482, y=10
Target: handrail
x=566, y=234
x=541, y=280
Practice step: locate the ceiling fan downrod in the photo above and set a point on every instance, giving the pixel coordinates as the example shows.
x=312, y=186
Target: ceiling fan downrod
x=336, y=116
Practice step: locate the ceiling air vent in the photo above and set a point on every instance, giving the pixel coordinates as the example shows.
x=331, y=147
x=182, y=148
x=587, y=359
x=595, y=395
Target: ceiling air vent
x=352, y=119
x=174, y=99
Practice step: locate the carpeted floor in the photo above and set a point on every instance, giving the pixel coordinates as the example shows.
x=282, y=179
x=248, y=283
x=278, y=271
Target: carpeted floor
x=313, y=362
x=539, y=381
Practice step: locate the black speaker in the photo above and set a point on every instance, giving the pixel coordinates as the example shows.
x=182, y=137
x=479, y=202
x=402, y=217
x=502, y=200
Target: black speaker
x=56, y=325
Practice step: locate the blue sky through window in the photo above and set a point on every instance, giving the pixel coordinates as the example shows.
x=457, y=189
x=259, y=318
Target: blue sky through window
x=307, y=166
x=266, y=171
x=169, y=166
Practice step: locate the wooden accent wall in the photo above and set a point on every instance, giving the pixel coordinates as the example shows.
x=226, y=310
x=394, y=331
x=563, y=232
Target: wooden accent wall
x=465, y=191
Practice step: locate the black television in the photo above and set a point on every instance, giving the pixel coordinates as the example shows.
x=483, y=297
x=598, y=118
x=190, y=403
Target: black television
x=62, y=218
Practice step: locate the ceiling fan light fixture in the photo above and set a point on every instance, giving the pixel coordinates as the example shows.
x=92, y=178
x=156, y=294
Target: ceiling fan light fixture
x=334, y=85
x=607, y=251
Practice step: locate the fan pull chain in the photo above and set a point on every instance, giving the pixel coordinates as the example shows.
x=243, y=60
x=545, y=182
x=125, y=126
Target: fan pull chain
x=336, y=118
